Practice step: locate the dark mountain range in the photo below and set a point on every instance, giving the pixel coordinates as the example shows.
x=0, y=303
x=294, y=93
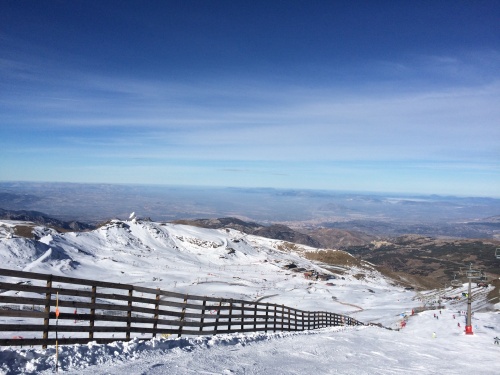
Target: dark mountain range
x=282, y=232
x=484, y=228
x=331, y=238
x=42, y=219
x=274, y=231
x=428, y=260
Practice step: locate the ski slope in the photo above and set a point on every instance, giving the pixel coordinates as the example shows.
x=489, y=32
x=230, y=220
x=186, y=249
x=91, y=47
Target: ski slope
x=231, y=264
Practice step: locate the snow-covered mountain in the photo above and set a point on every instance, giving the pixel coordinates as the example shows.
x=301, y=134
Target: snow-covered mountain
x=216, y=262
x=228, y=263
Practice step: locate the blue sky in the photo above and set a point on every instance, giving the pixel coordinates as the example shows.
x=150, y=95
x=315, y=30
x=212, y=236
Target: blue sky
x=389, y=96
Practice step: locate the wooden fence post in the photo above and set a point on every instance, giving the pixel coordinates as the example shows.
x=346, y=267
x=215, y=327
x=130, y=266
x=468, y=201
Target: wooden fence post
x=203, y=314
x=255, y=317
x=230, y=314
x=182, y=316
x=217, y=319
x=156, y=315
x=275, y=317
x=242, y=316
x=129, y=314
x=92, y=312
x=282, y=318
x=303, y=322
x=267, y=316
x=289, y=320
x=47, y=311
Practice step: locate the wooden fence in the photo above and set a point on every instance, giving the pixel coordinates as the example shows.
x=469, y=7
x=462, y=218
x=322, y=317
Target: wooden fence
x=91, y=310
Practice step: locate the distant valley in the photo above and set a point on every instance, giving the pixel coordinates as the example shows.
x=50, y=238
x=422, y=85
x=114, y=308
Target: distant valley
x=370, y=213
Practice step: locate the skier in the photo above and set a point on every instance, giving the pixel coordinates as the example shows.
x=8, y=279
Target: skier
x=496, y=340
x=433, y=335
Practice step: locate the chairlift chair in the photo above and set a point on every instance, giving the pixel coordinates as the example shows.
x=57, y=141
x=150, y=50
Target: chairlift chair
x=472, y=274
x=456, y=283
x=497, y=253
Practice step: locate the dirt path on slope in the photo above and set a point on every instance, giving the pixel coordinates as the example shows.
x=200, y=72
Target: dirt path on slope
x=350, y=304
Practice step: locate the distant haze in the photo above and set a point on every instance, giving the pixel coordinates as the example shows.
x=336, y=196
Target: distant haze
x=97, y=202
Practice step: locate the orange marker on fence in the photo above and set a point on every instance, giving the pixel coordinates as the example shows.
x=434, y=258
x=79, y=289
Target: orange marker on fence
x=57, y=305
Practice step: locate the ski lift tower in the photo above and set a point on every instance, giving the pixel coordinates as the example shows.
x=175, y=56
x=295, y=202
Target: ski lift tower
x=470, y=274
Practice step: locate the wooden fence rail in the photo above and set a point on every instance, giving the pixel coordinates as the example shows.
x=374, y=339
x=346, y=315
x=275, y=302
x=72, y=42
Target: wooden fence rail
x=92, y=310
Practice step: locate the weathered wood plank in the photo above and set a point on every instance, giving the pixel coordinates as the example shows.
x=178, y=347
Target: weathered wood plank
x=62, y=341
x=62, y=279
x=24, y=300
x=24, y=314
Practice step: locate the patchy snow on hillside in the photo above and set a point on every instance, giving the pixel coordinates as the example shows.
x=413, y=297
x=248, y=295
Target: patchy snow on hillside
x=231, y=264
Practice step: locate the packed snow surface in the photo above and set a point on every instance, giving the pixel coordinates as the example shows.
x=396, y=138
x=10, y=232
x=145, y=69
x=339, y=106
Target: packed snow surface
x=230, y=264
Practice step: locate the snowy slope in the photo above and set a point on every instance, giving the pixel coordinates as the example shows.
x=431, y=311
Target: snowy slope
x=228, y=263
x=221, y=263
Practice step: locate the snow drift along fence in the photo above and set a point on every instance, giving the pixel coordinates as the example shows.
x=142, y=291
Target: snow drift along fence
x=92, y=310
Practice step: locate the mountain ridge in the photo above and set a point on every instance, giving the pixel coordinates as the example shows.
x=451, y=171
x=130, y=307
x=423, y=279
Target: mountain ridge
x=43, y=219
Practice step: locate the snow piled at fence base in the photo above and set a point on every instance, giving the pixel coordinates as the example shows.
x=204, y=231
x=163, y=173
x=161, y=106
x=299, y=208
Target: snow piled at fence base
x=425, y=346
x=79, y=357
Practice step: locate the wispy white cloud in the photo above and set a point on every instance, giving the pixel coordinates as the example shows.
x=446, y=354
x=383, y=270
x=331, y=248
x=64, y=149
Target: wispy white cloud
x=450, y=125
